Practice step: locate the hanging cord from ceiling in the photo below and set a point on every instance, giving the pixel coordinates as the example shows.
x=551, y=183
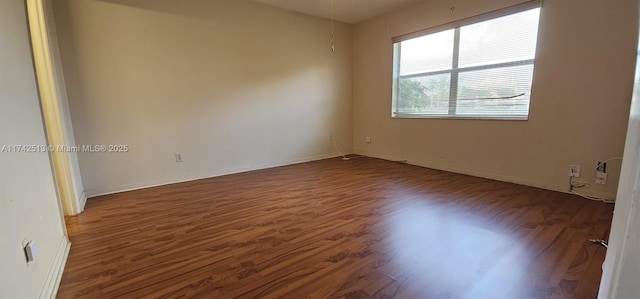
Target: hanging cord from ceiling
x=333, y=46
x=338, y=150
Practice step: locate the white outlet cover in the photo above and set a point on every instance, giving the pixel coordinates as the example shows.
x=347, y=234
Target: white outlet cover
x=574, y=170
x=601, y=177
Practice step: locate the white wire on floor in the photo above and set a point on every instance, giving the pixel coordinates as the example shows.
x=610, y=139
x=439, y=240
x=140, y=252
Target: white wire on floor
x=338, y=150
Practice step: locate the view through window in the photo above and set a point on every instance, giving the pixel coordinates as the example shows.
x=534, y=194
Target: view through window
x=479, y=70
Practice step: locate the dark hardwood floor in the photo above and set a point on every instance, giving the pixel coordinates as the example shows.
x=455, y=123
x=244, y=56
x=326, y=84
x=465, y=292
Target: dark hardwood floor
x=364, y=228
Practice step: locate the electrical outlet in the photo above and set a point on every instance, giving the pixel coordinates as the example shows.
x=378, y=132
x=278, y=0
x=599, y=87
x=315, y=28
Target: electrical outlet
x=601, y=177
x=178, y=157
x=574, y=170
x=367, y=139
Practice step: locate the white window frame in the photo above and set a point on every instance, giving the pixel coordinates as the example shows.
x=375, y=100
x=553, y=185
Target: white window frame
x=454, y=71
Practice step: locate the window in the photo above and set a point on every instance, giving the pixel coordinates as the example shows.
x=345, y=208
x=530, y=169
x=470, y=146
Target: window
x=480, y=67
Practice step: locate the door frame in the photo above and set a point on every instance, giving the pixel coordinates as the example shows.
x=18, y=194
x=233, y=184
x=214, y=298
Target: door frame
x=50, y=103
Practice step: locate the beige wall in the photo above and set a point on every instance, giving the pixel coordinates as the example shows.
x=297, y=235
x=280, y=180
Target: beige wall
x=580, y=99
x=28, y=204
x=231, y=85
x=235, y=86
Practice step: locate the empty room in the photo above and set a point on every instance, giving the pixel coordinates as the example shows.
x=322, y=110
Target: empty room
x=319, y=149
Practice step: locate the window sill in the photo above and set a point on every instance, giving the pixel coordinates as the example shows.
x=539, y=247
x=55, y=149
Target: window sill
x=468, y=116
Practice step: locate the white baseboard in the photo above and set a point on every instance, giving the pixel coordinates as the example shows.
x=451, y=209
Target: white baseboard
x=192, y=177
x=52, y=283
x=82, y=201
x=520, y=181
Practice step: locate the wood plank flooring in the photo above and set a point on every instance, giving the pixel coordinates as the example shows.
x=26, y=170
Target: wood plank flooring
x=364, y=228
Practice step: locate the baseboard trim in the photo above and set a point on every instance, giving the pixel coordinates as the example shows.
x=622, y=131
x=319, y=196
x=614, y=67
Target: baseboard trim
x=520, y=181
x=194, y=177
x=82, y=201
x=54, y=277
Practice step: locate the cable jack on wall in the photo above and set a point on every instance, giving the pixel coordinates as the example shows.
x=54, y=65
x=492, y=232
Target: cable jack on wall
x=600, y=174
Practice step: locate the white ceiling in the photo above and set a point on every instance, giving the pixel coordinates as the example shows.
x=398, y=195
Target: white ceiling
x=348, y=11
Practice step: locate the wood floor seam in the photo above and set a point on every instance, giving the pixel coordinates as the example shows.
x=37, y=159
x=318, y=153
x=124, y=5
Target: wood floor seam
x=363, y=228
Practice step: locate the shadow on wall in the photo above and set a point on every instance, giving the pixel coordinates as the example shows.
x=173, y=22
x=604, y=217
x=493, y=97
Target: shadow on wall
x=234, y=83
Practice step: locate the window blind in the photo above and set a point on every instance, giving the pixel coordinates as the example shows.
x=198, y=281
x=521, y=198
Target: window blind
x=477, y=67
